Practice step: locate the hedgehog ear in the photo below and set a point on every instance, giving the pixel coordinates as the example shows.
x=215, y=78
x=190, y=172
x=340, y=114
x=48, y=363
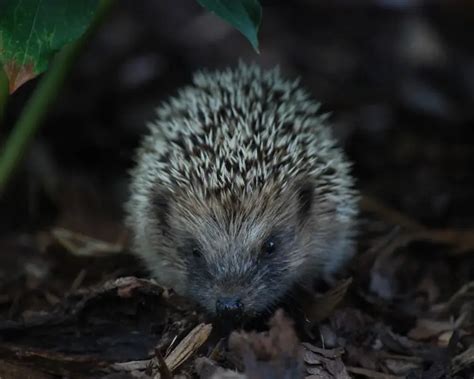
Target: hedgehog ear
x=305, y=199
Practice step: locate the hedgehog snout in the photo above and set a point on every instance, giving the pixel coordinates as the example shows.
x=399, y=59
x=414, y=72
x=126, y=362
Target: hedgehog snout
x=229, y=307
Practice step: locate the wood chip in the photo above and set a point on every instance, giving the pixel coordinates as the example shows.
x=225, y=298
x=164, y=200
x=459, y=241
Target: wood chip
x=188, y=346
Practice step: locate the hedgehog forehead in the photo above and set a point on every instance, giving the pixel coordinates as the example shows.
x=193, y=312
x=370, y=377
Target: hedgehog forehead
x=243, y=221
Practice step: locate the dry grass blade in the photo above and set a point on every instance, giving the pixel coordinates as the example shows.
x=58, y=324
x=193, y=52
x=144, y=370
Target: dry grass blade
x=462, y=361
x=82, y=245
x=462, y=296
x=131, y=366
x=192, y=342
x=461, y=240
x=393, y=216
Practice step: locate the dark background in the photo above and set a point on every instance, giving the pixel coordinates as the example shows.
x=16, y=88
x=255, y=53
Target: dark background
x=397, y=75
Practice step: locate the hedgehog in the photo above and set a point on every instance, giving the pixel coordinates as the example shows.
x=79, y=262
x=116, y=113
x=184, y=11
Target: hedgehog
x=240, y=193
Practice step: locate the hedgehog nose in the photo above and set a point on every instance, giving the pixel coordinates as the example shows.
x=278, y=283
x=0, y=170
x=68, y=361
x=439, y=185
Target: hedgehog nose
x=229, y=307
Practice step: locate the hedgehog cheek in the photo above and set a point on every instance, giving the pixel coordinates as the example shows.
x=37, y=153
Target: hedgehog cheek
x=305, y=191
x=161, y=208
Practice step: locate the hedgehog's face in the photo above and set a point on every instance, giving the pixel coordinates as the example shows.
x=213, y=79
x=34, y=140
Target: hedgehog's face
x=241, y=256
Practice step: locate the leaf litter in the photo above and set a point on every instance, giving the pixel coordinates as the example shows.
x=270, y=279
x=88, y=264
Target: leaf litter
x=130, y=327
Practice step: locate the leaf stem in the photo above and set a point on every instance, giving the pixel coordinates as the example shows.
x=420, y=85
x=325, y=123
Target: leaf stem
x=3, y=94
x=37, y=106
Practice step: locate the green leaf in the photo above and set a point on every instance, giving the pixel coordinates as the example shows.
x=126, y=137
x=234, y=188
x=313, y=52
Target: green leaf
x=32, y=31
x=244, y=15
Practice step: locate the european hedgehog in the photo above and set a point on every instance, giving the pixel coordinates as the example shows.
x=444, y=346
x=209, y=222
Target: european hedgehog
x=240, y=192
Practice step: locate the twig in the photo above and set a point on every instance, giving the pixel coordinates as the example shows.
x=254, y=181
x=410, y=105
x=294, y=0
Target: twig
x=165, y=372
x=371, y=204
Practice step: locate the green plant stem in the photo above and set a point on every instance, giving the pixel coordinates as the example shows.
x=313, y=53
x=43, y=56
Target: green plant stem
x=3, y=94
x=34, y=113
x=37, y=106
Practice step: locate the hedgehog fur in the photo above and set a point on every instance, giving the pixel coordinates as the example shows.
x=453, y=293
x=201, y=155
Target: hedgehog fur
x=240, y=191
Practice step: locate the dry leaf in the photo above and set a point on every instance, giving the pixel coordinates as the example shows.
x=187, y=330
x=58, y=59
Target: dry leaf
x=319, y=373
x=14, y=371
x=318, y=308
x=464, y=295
x=462, y=361
x=462, y=240
x=372, y=374
x=324, y=363
x=426, y=328
x=274, y=354
x=327, y=353
x=400, y=367
x=207, y=369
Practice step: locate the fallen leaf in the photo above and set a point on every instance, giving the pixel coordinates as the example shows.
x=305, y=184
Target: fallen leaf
x=12, y=371
x=462, y=361
x=427, y=328
x=324, y=362
x=327, y=353
x=275, y=354
x=207, y=369
x=400, y=367
x=319, y=307
x=463, y=296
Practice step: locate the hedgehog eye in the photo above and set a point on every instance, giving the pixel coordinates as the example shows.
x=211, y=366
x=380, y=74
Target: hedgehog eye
x=196, y=252
x=268, y=247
